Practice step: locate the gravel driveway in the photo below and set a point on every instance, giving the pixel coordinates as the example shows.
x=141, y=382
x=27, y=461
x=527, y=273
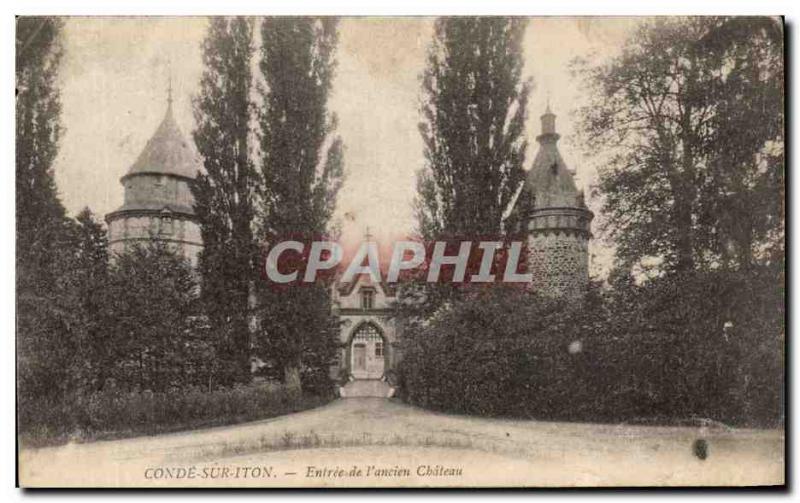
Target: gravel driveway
x=379, y=442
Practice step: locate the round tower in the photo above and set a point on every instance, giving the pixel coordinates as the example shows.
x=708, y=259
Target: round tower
x=556, y=219
x=159, y=204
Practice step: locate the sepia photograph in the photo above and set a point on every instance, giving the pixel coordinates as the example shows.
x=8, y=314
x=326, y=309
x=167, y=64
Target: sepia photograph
x=263, y=251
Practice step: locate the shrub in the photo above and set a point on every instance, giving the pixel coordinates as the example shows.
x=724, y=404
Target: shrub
x=154, y=334
x=659, y=353
x=115, y=412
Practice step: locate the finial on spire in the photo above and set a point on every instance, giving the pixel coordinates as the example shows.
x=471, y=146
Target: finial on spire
x=367, y=235
x=169, y=92
x=547, y=108
x=169, y=83
x=549, y=122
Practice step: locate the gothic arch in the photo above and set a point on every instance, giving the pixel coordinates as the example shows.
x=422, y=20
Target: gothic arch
x=387, y=349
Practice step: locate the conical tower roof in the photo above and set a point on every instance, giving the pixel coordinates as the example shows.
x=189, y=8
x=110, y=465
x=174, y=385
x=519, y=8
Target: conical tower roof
x=167, y=152
x=549, y=181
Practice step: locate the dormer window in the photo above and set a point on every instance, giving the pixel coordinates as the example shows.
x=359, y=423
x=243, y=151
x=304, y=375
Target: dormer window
x=367, y=299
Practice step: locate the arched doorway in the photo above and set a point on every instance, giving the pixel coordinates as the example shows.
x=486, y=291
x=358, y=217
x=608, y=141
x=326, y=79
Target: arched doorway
x=367, y=352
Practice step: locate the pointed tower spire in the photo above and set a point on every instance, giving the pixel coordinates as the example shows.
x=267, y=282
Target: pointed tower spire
x=167, y=152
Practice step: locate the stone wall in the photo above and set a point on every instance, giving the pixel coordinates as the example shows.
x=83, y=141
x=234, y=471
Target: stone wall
x=181, y=233
x=559, y=262
x=154, y=189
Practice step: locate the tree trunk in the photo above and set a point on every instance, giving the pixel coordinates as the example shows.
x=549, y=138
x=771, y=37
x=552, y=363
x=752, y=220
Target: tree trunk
x=685, y=196
x=291, y=377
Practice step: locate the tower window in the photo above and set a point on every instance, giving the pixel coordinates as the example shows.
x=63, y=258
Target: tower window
x=367, y=299
x=166, y=225
x=379, y=348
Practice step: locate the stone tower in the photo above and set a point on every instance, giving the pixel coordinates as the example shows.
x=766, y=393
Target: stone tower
x=556, y=220
x=158, y=202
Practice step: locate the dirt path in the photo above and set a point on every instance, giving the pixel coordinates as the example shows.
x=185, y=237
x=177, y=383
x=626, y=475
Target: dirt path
x=351, y=435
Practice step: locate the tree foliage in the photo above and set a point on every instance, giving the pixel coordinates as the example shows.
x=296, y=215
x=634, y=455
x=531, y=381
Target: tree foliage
x=155, y=339
x=474, y=107
x=47, y=332
x=225, y=193
x=88, y=278
x=677, y=350
x=38, y=130
x=61, y=263
x=301, y=154
x=691, y=114
x=302, y=171
x=474, y=110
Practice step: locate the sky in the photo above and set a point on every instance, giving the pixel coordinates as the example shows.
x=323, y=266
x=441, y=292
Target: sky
x=114, y=88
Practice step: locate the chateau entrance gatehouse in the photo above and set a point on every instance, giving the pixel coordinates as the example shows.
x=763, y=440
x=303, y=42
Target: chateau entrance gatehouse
x=367, y=353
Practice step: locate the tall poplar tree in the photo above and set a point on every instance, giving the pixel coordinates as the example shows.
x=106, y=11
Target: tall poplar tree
x=38, y=129
x=224, y=194
x=474, y=109
x=46, y=334
x=474, y=106
x=302, y=169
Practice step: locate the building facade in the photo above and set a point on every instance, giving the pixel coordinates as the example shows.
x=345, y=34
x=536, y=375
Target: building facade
x=555, y=219
x=159, y=204
x=368, y=342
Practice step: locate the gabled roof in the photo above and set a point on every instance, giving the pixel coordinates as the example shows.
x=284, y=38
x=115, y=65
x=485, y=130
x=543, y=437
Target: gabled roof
x=167, y=152
x=346, y=289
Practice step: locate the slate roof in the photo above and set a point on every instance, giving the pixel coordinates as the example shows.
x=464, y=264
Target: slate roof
x=549, y=180
x=346, y=289
x=167, y=152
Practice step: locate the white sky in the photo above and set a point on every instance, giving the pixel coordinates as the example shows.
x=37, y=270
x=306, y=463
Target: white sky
x=115, y=76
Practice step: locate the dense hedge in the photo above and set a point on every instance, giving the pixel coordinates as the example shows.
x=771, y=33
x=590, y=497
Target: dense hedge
x=115, y=413
x=657, y=353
